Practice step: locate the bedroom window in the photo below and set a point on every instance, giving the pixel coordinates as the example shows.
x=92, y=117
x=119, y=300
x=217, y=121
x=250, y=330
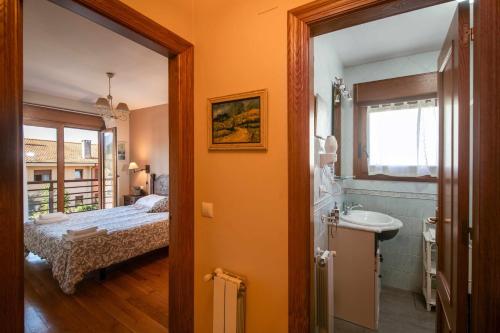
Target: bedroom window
x=78, y=173
x=87, y=165
x=397, y=129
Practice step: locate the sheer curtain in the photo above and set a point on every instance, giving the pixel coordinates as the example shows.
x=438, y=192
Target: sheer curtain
x=403, y=139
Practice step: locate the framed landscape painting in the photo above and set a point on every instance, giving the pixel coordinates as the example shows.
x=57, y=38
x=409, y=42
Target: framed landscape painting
x=238, y=122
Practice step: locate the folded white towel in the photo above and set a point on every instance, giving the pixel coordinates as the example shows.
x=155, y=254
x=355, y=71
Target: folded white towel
x=52, y=220
x=101, y=232
x=51, y=216
x=79, y=232
x=432, y=233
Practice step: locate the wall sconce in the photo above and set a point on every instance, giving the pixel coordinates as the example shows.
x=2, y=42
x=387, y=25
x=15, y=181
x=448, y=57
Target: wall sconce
x=135, y=168
x=340, y=90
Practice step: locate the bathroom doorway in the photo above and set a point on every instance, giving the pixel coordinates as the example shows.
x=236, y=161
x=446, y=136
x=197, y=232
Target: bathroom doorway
x=380, y=104
x=378, y=97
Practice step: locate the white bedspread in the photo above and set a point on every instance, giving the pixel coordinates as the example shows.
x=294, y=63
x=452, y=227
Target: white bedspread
x=131, y=232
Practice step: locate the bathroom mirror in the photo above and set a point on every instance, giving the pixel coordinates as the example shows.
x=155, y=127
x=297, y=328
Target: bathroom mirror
x=322, y=117
x=328, y=119
x=337, y=125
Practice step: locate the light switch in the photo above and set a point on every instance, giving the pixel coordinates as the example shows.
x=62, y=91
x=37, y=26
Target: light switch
x=207, y=209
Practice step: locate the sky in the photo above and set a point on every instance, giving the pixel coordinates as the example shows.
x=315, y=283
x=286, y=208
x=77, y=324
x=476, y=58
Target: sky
x=70, y=134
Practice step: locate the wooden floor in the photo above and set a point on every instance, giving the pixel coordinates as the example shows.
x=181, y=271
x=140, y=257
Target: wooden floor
x=133, y=298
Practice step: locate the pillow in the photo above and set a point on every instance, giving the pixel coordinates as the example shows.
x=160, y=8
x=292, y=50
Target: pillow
x=161, y=206
x=148, y=201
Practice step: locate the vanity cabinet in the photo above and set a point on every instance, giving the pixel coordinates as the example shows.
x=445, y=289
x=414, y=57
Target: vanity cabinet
x=357, y=276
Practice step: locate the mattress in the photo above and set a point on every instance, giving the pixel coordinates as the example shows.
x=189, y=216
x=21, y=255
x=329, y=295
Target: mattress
x=132, y=231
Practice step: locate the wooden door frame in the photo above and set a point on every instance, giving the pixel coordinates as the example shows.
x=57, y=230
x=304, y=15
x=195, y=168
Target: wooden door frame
x=325, y=16
x=486, y=180
x=122, y=19
x=102, y=179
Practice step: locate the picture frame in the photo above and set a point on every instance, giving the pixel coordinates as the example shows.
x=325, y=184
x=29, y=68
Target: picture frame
x=121, y=151
x=238, y=121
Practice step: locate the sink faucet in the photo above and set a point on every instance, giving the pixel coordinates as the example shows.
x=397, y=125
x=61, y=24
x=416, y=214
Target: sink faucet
x=347, y=208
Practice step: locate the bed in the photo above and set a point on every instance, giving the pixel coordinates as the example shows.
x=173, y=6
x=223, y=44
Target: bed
x=131, y=231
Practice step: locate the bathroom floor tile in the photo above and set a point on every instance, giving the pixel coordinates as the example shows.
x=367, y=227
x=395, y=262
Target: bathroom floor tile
x=400, y=312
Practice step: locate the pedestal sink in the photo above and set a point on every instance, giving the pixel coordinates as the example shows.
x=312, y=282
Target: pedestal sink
x=386, y=226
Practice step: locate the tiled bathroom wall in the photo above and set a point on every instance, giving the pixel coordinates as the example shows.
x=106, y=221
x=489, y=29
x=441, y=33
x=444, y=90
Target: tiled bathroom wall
x=322, y=206
x=326, y=67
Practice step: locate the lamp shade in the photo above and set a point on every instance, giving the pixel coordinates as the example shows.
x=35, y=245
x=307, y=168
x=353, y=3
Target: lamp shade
x=123, y=107
x=133, y=166
x=102, y=103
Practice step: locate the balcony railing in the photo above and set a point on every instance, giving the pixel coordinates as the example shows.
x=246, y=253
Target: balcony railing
x=42, y=197
x=79, y=195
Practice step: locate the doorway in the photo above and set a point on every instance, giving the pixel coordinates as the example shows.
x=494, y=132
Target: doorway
x=116, y=16
x=389, y=100
x=305, y=23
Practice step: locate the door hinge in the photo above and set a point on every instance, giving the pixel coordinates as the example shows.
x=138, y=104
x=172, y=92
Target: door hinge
x=469, y=35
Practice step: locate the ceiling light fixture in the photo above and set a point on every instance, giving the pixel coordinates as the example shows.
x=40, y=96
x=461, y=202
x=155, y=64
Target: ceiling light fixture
x=105, y=105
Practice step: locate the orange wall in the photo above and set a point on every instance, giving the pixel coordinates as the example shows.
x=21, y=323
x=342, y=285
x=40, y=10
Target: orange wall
x=149, y=141
x=176, y=15
x=240, y=45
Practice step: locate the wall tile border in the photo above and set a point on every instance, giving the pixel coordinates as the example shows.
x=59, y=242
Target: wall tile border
x=392, y=194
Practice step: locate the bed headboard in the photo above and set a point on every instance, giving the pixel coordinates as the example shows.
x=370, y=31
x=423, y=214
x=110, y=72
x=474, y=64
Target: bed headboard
x=159, y=184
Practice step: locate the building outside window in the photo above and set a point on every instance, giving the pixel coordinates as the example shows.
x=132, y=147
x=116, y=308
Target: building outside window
x=78, y=173
x=78, y=200
x=42, y=175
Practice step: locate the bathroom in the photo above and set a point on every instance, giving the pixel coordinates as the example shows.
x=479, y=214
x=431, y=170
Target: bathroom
x=387, y=165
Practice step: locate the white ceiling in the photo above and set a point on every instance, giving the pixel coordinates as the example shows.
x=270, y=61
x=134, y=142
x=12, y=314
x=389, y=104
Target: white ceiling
x=67, y=56
x=414, y=32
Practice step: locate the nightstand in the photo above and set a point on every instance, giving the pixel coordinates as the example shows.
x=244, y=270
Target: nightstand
x=130, y=199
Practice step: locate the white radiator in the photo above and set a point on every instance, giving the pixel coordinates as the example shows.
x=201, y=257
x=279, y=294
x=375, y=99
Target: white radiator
x=324, y=291
x=229, y=302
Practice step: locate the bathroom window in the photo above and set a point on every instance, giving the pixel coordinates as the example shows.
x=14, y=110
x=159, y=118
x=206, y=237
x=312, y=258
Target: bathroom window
x=397, y=136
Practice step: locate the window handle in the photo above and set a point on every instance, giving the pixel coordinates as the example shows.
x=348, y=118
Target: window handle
x=362, y=150
x=366, y=152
